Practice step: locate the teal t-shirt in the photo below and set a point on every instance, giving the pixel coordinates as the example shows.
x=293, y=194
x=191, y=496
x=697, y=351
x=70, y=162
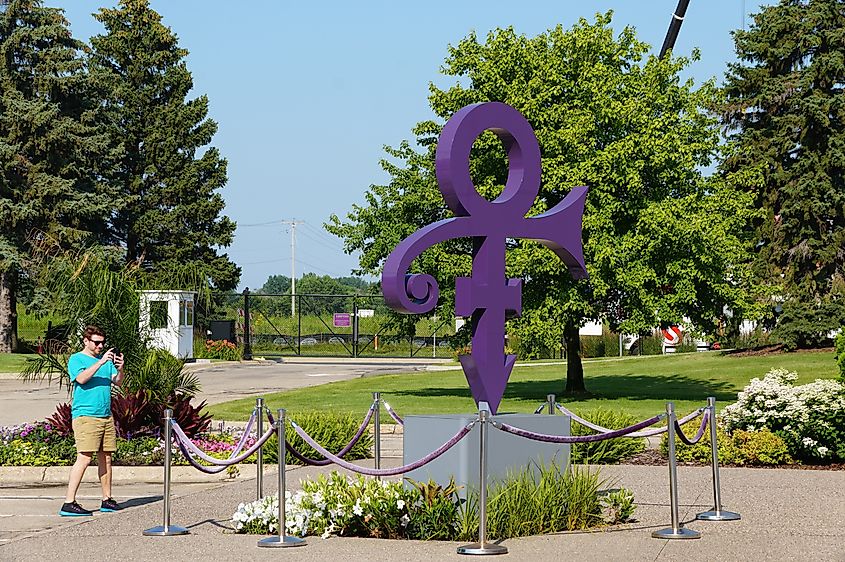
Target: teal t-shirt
x=94, y=397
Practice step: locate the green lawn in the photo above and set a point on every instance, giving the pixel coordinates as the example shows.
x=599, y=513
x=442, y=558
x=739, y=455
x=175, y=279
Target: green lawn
x=13, y=362
x=637, y=385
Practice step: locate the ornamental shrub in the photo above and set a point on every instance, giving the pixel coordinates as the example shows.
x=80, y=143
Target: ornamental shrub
x=334, y=505
x=743, y=448
x=435, y=516
x=330, y=429
x=618, y=506
x=839, y=352
x=810, y=418
x=609, y=451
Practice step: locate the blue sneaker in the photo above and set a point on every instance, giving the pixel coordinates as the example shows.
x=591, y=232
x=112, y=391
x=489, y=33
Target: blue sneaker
x=73, y=509
x=110, y=505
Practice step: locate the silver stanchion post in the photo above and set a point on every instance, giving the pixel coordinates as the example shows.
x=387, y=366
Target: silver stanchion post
x=676, y=531
x=551, y=399
x=716, y=514
x=259, y=458
x=282, y=539
x=377, y=430
x=482, y=546
x=166, y=529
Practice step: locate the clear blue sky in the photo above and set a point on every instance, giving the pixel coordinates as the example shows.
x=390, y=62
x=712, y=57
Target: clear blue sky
x=307, y=93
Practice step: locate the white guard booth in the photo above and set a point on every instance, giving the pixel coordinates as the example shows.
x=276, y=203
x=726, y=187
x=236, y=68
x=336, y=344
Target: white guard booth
x=168, y=316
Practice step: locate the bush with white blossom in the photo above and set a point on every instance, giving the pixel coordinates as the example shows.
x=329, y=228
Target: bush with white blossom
x=335, y=505
x=809, y=417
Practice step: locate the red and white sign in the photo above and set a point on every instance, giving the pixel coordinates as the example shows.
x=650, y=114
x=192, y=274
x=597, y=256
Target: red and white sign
x=672, y=335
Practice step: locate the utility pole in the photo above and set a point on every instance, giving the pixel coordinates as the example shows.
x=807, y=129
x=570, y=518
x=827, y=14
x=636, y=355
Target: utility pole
x=674, y=27
x=292, y=224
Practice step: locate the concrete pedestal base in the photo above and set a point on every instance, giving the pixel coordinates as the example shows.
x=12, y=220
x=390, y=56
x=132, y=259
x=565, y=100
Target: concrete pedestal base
x=506, y=453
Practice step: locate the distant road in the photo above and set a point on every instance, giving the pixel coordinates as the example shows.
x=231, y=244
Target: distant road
x=26, y=402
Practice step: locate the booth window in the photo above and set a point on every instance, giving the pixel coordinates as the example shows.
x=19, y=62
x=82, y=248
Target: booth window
x=158, y=315
x=187, y=313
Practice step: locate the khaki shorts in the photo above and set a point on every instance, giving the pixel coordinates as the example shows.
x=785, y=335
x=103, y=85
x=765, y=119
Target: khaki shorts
x=94, y=434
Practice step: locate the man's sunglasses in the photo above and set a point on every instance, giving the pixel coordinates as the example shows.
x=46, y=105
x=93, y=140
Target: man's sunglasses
x=98, y=342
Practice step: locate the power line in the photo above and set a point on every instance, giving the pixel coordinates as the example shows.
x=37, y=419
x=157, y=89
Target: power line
x=322, y=233
x=265, y=261
x=323, y=244
x=268, y=223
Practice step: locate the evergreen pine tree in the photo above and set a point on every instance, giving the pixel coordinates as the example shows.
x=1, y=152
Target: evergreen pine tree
x=169, y=216
x=50, y=148
x=786, y=111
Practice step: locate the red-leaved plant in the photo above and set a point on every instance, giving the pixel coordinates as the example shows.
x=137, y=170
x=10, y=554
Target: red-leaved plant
x=136, y=416
x=61, y=420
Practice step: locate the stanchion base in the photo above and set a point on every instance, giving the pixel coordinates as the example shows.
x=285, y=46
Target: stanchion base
x=281, y=542
x=681, y=533
x=485, y=549
x=720, y=515
x=169, y=531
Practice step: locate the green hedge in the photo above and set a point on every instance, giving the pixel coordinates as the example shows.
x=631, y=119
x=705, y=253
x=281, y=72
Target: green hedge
x=332, y=431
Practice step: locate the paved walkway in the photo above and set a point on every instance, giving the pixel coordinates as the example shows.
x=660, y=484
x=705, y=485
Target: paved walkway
x=786, y=515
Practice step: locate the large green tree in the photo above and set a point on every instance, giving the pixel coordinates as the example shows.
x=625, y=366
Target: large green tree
x=50, y=148
x=660, y=239
x=785, y=112
x=169, y=209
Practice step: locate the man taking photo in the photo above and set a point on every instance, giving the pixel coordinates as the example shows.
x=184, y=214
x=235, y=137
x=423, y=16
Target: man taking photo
x=92, y=373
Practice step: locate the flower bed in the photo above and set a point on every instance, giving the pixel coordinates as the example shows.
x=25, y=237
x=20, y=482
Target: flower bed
x=46, y=443
x=525, y=504
x=40, y=444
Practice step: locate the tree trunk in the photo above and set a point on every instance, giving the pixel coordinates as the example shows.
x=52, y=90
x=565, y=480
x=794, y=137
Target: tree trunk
x=8, y=313
x=574, y=368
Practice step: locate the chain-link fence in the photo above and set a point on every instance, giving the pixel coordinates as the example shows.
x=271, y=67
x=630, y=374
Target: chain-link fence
x=276, y=325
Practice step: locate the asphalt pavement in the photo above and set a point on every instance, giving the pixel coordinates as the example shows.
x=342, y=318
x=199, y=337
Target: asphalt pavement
x=220, y=382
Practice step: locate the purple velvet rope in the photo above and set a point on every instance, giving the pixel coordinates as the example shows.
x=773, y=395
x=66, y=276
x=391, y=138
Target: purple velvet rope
x=200, y=453
x=576, y=438
x=704, y=419
x=384, y=471
x=183, y=440
x=342, y=453
x=650, y=433
x=393, y=414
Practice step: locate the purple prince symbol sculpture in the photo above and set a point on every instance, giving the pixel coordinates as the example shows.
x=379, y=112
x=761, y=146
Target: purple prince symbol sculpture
x=487, y=296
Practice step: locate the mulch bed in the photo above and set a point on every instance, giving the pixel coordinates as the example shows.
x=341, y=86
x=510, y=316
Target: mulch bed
x=652, y=457
x=776, y=349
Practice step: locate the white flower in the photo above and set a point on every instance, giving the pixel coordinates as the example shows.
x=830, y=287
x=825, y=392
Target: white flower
x=404, y=520
x=356, y=509
x=400, y=504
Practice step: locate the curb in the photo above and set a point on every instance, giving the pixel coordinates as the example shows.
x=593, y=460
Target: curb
x=48, y=475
